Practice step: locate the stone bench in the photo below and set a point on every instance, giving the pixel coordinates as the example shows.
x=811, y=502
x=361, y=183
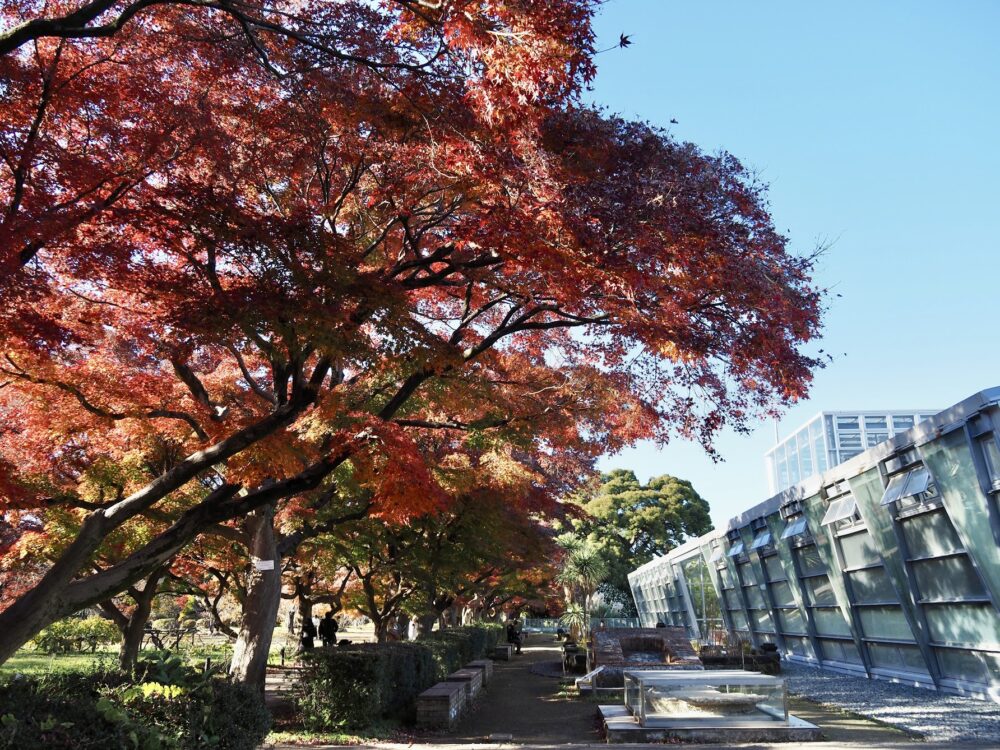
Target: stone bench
x=441, y=706
x=503, y=651
x=471, y=678
x=483, y=665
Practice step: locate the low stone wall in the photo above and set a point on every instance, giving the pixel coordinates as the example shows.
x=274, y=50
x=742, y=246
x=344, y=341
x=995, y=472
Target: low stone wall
x=441, y=706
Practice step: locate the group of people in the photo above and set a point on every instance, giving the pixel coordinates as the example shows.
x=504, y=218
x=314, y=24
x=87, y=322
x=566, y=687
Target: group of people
x=328, y=628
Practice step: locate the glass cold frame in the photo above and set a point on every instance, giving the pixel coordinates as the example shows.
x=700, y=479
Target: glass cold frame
x=710, y=698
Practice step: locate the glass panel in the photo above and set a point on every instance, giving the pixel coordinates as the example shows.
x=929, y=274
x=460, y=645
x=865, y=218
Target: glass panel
x=736, y=549
x=903, y=658
x=947, y=578
x=991, y=455
x=930, y=534
x=782, y=469
x=809, y=560
x=805, y=455
x=761, y=540
x=747, y=574
x=793, y=463
x=818, y=446
x=847, y=423
x=762, y=621
x=774, y=570
x=876, y=423
x=797, y=646
x=894, y=489
x=872, y=585
x=697, y=698
x=727, y=578
x=791, y=621
x=819, y=590
x=739, y=619
x=849, y=440
x=754, y=597
x=830, y=621
x=969, y=666
x=844, y=651
x=902, y=423
x=858, y=550
x=974, y=624
x=839, y=510
x=732, y=597
x=782, y=594
x=873, y=438
x=885, y=622
x=918, y=481
x=794, y=527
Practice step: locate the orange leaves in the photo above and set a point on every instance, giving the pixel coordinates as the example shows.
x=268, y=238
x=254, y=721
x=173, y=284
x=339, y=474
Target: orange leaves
x=398, y=474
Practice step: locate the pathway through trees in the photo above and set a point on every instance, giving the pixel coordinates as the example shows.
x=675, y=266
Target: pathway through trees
x=528, y=706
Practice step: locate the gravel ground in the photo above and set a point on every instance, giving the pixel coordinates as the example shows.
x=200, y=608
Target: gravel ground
x=935, y=716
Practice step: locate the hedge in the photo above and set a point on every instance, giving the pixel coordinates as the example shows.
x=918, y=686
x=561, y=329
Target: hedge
x=108, y=710
x=75, y=634
x=352, y=687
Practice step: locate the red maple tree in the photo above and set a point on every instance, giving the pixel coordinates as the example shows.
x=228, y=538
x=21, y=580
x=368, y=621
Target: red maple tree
x=315, y=263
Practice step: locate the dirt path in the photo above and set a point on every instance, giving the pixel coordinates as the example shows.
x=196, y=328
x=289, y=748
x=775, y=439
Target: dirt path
x=527, y=706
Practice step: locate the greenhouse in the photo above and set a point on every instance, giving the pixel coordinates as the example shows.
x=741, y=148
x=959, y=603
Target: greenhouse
x=886, y=565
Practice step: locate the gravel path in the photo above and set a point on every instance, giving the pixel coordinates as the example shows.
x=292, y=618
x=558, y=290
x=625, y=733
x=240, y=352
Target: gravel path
x=935, y=716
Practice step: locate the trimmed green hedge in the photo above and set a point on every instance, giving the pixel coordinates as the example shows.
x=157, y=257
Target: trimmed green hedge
x=354, y=686
x=76, y=634
x=106, y=710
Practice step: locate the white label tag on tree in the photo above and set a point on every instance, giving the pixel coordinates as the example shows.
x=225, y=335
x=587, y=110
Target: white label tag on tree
x=264, y=564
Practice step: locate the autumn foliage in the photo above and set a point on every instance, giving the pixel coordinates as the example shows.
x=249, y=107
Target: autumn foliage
x=381, y=251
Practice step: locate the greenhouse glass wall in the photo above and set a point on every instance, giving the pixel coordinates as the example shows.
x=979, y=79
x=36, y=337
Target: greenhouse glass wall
x=887, y=565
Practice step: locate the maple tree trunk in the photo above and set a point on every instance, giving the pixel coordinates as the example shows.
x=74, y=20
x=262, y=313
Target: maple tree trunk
x=128, y=654
x=305, y=610
x=425, y=623
x=260, y=610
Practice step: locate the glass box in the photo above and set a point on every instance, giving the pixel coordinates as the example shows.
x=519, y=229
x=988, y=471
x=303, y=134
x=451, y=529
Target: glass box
x=709, y=698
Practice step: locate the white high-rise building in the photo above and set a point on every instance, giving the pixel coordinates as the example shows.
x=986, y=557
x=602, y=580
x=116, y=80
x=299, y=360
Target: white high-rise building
x=832, y=437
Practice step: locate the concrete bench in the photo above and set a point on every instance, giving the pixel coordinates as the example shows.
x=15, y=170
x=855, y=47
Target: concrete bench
x=471, y=678
x=503, y=651
x=483, y=665
x=441, y=705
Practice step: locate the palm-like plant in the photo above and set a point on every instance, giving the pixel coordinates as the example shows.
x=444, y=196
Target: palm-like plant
x=583, y=570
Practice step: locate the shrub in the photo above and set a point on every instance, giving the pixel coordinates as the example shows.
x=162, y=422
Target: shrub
x=341, y=689
x=354, y=686
x=107, y=710
x=74, y=634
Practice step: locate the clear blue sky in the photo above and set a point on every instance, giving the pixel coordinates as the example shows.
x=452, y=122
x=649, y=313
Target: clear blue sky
x=877, y=126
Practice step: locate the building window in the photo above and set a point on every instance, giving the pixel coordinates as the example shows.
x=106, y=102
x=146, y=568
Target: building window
x=795, y=527
x=841, y=509
x=991, y=457
x=902, y=423
x=912, y=483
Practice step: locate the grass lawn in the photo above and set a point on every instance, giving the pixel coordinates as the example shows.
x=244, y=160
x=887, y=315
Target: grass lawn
x=35, y=662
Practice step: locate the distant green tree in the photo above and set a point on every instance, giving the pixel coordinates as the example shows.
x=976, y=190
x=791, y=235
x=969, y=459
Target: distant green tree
x=631, y=523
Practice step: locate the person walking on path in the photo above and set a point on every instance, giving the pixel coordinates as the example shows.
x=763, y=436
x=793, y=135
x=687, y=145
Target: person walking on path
x=328, y=630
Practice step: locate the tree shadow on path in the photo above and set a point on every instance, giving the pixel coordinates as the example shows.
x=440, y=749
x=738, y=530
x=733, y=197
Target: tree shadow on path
x=527, y=706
